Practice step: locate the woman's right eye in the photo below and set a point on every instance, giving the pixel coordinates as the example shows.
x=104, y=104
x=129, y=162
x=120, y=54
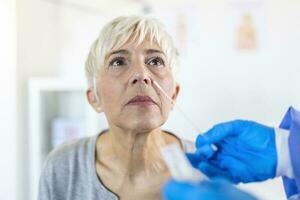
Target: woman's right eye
x=117, y=62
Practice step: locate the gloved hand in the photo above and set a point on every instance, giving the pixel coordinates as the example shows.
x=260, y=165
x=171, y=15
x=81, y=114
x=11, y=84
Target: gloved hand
x=207, y=190
x=246, y=152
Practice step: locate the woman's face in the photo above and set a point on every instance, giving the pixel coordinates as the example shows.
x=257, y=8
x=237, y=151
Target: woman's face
x=126, y=91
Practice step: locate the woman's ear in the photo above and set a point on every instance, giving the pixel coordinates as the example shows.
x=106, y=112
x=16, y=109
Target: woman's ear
x=93, y=100
x=176, y=92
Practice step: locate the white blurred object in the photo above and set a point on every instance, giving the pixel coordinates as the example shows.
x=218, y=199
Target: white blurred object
x=66, y=129
x=179, y=166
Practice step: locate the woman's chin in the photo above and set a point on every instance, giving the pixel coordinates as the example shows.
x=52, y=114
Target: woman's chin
x=143, y=125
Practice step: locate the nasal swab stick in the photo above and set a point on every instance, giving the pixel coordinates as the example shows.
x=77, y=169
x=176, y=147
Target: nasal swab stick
x=173, y=102
x=214, y=147
x=177, y=163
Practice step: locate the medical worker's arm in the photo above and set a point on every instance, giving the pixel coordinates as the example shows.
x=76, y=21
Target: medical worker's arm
x=210, y=190
x=291, y=122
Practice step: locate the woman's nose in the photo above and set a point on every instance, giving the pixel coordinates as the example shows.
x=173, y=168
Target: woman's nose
x=141, y=78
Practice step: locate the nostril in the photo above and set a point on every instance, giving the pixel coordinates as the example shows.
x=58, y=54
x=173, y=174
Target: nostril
x=142, y=79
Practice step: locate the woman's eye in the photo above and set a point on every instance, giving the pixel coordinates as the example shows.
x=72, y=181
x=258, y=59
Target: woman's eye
x=157, y=61
x=117, y=62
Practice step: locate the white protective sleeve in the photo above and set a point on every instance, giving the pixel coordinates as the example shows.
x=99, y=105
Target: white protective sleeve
x=284, y=165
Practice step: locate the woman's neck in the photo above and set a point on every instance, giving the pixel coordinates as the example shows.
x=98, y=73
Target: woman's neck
x=133, y=153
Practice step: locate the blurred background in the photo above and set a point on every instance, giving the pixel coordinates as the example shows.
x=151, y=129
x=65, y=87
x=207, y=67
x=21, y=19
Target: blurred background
x=239, y=59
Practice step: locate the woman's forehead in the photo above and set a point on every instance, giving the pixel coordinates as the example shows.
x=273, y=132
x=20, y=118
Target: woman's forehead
x=146, y=43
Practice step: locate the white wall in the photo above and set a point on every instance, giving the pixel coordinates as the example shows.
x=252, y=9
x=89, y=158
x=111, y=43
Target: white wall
x=220, y=84
x=8, y=153
x=37, y=55
x=228, y=84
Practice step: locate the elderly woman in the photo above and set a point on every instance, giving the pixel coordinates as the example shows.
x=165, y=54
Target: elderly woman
x=132, y=57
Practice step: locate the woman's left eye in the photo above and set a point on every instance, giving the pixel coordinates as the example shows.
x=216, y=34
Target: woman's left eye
x=156, y=61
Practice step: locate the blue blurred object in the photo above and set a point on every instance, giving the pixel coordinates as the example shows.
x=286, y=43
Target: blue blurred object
x=208, y=190
x=246, y=152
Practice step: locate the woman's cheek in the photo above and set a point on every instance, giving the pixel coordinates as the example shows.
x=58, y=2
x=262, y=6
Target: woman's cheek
x=108, y=92
x=169, y=87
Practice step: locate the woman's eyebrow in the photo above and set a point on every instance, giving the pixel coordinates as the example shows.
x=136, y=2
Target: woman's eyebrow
x=126, y=52
x=150, y=51
x=120, y=51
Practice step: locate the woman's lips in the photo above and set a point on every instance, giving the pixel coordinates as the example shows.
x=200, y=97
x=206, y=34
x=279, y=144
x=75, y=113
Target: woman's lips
x=141, y=100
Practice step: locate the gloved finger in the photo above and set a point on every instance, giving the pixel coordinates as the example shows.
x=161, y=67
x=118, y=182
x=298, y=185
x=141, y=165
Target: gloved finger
x=194, y=159
x=174, y=190
x=222, y=186
x=219, y=185
x=212, y=190
x=212, y=171
x=205, y=152
x=238, y=169
x=220, y=131
x=201, y=140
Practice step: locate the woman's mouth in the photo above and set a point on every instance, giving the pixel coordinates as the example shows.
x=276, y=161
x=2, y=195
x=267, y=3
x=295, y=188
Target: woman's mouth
x=141, y=100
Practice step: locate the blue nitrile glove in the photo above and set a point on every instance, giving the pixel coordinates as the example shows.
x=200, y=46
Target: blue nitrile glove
x=207, y=190
x=246, y=152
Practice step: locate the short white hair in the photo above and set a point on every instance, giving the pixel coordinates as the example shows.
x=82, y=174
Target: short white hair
x=123, y=29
